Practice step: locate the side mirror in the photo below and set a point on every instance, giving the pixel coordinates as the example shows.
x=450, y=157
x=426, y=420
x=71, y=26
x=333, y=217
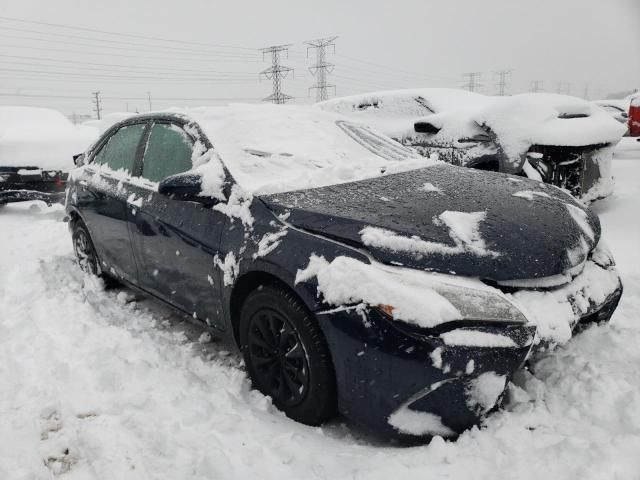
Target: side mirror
x=78, y=159
x=186, y=187
x=425, y=127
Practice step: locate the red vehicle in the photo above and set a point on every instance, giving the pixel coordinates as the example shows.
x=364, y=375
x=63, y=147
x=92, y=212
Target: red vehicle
x=634, y=117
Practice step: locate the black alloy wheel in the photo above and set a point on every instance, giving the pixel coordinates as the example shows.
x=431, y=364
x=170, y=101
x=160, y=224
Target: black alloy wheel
x=287, y=356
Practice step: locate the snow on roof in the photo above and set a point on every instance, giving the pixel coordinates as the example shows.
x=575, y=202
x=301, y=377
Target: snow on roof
x=277, y=148
x=40, y=137
x=394, y=111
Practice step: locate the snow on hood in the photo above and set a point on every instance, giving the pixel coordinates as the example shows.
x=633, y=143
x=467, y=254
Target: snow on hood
x=277, y=148
x=40, y=137
x=519, y=121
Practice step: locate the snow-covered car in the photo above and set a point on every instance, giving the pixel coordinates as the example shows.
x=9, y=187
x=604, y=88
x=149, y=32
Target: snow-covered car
x=353, y=274
x=561, y=140
x=36, y=150
x=618, y=109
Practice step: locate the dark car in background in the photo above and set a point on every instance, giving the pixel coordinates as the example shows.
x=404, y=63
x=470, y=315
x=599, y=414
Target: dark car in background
x=558, y=139
x=35, y=147
x=354, y=275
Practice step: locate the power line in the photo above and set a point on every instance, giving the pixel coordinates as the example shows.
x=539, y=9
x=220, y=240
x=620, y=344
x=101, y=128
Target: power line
x=103, y=98
x=276, y=73
x=120, y=34
x=162, y=68
x=503, y=75
x=128, y=46
x=321, y=67
x=472, y=84
x=96, y=104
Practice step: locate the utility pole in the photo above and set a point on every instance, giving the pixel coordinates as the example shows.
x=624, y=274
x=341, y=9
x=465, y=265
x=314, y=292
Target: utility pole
x=472, y=84
x=96, y=104
x=321, y=67
x=586, y=91
x=502, y=82
x=536, y=86
x=149, y=98
x=276, y=73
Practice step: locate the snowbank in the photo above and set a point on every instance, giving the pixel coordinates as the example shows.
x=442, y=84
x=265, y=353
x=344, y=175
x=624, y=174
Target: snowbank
x=40, y=137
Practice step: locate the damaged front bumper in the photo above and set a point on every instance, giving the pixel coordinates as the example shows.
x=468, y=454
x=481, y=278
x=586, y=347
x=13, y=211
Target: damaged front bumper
x=21, y=184
x=409, y=383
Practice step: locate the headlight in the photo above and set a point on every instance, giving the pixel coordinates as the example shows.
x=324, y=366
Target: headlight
x=474, y=305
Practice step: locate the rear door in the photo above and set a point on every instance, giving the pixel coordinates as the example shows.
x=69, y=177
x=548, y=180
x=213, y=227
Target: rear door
x=102, y=197
x=175, y=241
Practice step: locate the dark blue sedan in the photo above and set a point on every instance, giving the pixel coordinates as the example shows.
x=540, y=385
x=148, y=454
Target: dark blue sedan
x=354, y=276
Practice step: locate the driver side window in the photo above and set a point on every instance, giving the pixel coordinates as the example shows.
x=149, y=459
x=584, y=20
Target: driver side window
x=168, y=152
x=119, y=153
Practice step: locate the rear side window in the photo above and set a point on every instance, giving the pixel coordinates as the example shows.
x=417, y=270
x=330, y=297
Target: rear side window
x=119, y=153
x=168, y=152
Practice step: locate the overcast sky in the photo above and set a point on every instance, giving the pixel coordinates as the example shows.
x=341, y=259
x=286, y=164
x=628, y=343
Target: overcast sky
x=591, y=46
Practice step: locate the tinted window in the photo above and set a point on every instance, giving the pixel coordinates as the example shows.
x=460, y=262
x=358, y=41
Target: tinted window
x=119, y=153
x=168, y=152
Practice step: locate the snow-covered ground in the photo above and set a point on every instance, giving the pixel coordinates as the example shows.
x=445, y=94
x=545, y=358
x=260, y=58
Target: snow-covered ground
x=101, y=384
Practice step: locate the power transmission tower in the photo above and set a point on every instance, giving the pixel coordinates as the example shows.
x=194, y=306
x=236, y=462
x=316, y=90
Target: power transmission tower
x=536, y=86
x=321, y=67
x=563, y=87
x=502, y=80
x=96, y=104
x=276, y=73
x=472, y=84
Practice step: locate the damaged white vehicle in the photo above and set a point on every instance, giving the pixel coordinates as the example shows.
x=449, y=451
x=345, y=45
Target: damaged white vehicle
x=558, y=139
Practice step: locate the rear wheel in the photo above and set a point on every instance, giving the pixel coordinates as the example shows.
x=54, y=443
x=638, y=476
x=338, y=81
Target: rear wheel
x=86, y=253
x=287, y=356
x=84, y=249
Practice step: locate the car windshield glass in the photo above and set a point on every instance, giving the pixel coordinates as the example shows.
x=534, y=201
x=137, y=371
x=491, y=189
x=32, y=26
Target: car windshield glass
x=271, y=149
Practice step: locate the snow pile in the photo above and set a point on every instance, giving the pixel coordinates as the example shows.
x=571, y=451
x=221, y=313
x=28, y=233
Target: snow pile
x=276, y=148
x=530, y=195
x=430, y=187
x=347, y=281
x=412, y=422
x=473, y=338
x=464, y=229
x=40, y=137
x=485, y=390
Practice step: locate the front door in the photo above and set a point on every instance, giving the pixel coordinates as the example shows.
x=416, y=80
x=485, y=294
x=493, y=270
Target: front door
x=175, y=241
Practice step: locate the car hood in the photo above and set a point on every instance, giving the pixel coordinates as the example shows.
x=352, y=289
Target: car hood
x=451, y=220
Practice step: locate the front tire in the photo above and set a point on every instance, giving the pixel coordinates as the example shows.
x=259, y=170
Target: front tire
x=286, y=355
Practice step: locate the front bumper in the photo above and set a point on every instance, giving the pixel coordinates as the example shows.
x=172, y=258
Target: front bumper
x=24, y=184
x=388, y=374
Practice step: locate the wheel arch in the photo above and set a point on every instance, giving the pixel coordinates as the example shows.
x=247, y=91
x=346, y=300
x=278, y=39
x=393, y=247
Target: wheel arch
x=248, y=282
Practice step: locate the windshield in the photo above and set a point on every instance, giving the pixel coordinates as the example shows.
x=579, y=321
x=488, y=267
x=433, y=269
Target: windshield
x=275, y=148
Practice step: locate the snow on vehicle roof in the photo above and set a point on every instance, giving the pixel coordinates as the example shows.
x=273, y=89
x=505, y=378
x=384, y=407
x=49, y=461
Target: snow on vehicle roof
x=278, y=148
x=394, y=111
x=40, y=137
